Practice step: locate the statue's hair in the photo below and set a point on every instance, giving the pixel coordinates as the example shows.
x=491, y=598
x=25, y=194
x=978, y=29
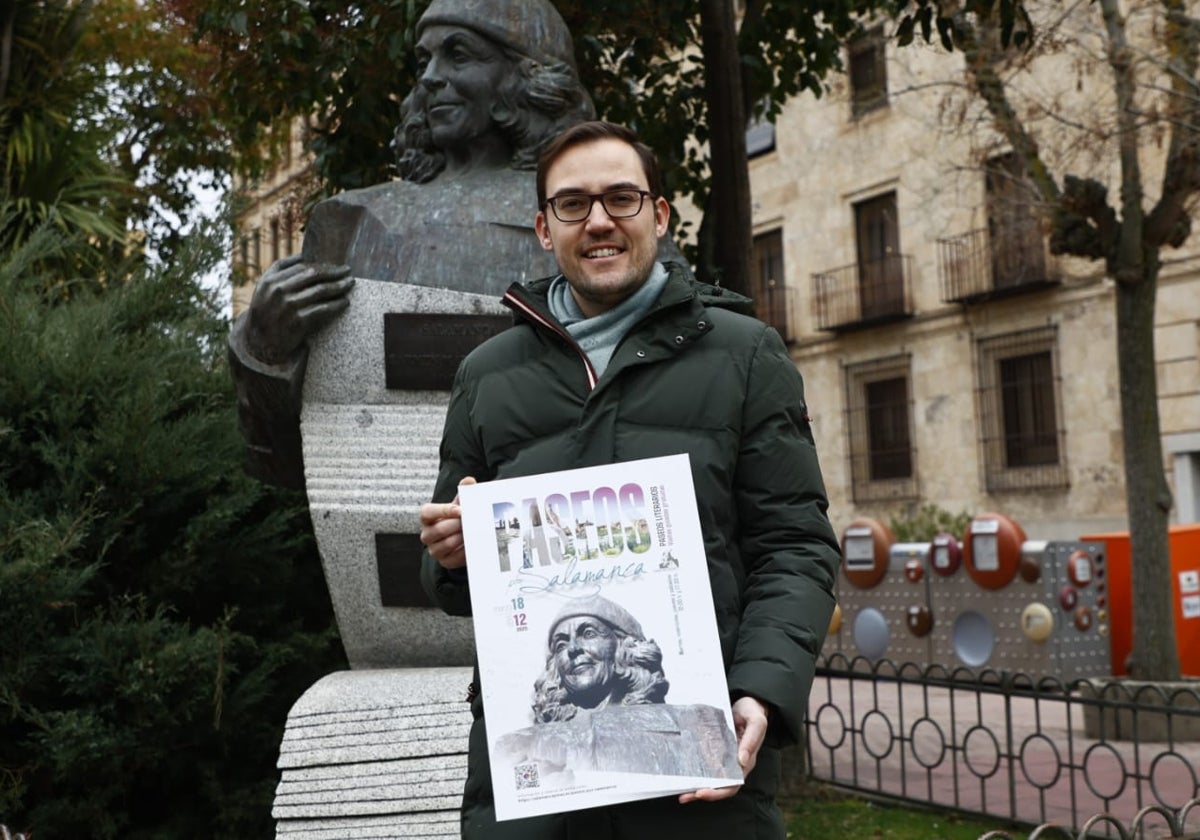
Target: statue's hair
x=533, y=104
x=417, y=159
x=637, y=677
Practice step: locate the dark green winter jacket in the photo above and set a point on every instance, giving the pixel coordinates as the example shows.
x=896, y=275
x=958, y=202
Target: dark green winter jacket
x=692, y=377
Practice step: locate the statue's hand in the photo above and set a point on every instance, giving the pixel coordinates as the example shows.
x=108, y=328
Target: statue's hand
x=292, y=301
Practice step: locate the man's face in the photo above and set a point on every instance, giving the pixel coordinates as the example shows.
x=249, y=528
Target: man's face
x=604, y=259
x=584, y=650
x=461, y=72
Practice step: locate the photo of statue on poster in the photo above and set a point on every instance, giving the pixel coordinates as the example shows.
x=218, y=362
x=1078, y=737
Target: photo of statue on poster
x=600, y=664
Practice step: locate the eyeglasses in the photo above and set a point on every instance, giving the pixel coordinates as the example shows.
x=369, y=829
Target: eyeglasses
x=618, y=204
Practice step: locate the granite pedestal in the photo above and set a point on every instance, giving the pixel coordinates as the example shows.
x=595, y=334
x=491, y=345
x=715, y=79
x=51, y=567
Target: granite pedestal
x=380, y=751
x=375, y=754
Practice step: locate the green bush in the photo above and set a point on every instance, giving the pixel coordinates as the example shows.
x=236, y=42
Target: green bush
x=929, y=521
x=159, y=611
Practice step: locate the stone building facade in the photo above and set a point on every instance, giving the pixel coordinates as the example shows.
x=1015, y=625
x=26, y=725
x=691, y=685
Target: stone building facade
x=270, y=213
x=949, y=358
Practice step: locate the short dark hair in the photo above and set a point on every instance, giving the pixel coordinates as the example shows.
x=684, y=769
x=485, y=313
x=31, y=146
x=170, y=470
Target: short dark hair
x=586, y=132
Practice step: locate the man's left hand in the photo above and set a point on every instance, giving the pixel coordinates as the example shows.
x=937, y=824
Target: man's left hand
x=750, y=725
x=441, y=531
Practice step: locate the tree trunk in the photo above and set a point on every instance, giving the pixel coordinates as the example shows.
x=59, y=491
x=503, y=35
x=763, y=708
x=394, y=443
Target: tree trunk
x=1148, y=499
x=730, y=197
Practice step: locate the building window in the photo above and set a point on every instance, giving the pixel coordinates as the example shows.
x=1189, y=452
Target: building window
x=879, y=420
x=1020, y=407
x=1184, y=451
x=1027, y=397
x=1014, y=232
x=887, y=429
x=289, y=232
x=760, y=135
x=868, y=72
x=256, y=250
x=275, y=241
x=770, y=293
x=880, y=266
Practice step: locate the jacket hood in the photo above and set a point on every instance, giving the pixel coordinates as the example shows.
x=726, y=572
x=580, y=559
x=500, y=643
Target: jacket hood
x=719, y=296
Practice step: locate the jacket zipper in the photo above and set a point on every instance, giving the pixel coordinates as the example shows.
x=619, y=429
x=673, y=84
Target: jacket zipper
x=527, y=309
x=537, y=317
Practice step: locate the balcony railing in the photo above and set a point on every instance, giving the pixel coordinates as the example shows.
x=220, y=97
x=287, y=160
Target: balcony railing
x=973, y=268
x=864, y=294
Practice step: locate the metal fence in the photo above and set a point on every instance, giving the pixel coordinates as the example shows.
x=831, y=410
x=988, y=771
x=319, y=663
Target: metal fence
x=1151, y=821
x=1089, y=754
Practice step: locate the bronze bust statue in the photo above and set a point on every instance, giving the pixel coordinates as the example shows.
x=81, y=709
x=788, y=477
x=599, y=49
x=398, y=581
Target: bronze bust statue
x=497, y=81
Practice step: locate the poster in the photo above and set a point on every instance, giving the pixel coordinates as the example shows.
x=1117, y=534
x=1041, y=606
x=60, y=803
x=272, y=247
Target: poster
x=599, y=659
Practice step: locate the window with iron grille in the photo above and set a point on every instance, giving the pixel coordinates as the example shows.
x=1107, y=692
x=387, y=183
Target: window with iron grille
x=879, y=420
x=868, y=72
x=770, y=293
x=1020, y=406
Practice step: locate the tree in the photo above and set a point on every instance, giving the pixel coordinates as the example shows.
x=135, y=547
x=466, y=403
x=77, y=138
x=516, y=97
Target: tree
x=159, y=610
x=729, y=196
x=1146, y=120
x=106, y=123
x=165, y=130
x=52, y=168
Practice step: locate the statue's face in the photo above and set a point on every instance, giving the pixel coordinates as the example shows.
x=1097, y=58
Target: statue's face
x=584, y=649
x=461, y=72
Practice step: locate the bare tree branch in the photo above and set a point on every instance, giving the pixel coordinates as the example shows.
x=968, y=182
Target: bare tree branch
x=982, y=57
x=1170, y=221
x=1082, y=222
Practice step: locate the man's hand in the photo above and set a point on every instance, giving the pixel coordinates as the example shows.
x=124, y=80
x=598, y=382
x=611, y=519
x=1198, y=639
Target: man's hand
x=750, y=726
x=293, y=300
x=441, y=531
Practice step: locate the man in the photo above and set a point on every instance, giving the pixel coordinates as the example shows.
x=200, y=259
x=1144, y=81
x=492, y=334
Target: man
x=621, y=357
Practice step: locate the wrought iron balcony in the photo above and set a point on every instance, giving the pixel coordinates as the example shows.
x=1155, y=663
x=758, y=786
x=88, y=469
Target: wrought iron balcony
x=983, y=264
x=864, y=294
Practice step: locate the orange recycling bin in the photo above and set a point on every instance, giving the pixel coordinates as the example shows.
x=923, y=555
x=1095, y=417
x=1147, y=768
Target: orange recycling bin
x=1184, y=549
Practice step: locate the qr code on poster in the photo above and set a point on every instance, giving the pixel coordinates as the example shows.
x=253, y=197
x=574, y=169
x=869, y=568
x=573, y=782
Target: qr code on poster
x=527, y=776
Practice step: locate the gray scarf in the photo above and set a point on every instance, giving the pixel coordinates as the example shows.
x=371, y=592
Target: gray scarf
x=600, y=335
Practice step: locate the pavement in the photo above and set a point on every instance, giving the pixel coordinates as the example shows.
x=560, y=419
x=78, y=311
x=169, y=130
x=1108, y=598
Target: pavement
x=1027, y=759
